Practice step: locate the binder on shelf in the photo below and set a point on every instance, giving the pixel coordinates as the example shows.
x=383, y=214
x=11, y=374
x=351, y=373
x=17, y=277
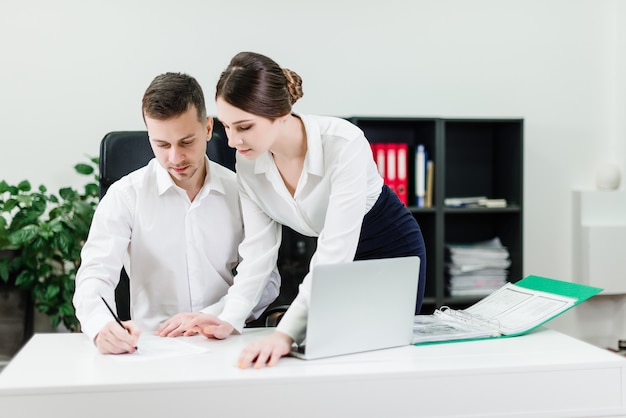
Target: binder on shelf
x=512, y=310
x=402, y=165
x=380, y=156
x=430, y=172
x=391, y=167
x=420, y=175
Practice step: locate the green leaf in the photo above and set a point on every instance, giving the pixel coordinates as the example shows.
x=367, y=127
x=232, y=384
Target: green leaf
x=92, y=189
x=55, y=320
x=55, y=212
x=4, y=186
x=64, y=241
x=41, y=306
x=68, y=193
x=10, y=204
x=56, y=225
x=39, y=204
x=51, y=291
x=83, y=209
x=24, y=235
x=24, y=186
x=45, y=270
x=37, y=244
x=85, y=169
x=26, y=216
x=25, y=279
x=66, y=309
x=71, y=323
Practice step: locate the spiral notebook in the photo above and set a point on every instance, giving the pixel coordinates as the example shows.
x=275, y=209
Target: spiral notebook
x=514, y=309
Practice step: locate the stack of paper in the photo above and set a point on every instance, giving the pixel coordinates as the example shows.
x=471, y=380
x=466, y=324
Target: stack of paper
x=434, y=328
x=474, y=201
x=477, y=269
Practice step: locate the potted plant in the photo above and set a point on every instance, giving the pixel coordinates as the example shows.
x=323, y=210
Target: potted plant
x=41, y=236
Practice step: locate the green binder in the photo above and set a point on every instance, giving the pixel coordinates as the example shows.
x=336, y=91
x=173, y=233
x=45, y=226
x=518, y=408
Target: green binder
x=540, y=298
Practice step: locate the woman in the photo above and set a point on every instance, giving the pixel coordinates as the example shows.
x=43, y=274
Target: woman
x=315, y=174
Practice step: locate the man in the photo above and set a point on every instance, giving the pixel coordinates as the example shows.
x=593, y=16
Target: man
x=175, y=225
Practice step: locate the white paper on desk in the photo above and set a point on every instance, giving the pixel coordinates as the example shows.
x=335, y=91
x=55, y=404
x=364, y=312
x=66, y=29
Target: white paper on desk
x=430, y=328
x=152, y=347
x=517, y=309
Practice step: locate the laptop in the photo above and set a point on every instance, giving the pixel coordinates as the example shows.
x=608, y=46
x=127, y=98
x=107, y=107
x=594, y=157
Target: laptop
x=360, y=306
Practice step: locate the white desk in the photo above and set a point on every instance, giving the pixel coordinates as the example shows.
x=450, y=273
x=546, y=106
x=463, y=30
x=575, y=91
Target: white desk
x=543, y=374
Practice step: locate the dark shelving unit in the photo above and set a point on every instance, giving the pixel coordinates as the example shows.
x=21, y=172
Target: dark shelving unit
x=472, y=157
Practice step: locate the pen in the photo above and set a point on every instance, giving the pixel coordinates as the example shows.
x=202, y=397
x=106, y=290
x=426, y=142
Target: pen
x=117, y=319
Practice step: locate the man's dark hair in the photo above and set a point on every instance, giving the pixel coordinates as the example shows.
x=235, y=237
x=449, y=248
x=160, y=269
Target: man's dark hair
x=170, y=95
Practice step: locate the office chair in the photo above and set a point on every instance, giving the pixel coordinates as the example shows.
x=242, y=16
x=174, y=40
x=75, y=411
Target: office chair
x=124, y=151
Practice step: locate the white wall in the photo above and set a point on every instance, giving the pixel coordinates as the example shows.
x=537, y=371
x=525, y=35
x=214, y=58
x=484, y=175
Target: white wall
x=71, y=71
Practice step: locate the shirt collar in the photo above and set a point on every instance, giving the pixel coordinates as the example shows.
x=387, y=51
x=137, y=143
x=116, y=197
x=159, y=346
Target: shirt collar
x=314, y=161
x=165, y=182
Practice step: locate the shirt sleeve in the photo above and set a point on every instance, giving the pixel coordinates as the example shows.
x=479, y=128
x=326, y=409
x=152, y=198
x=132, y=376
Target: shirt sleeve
x=259, y=253
x=270, y=293
x=102, y=259
x=338, y=240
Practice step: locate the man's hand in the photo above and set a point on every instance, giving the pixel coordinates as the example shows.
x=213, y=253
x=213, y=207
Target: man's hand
x=189, y=324
x=112, y=339
x=266, y=351
x=216, y=328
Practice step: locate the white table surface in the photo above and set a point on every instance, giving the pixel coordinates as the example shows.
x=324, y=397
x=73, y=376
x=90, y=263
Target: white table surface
x=543, y=374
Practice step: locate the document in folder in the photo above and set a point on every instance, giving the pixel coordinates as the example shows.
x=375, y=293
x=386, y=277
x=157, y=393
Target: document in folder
x=513, y=309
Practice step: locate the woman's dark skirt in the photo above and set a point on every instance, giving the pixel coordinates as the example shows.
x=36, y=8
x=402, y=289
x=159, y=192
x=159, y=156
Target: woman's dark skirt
x=389, y=230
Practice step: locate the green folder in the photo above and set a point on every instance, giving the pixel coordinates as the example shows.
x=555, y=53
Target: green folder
x=442, y=327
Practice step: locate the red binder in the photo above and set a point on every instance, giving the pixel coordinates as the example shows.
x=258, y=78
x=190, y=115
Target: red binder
x=391, y=178
x=380, y=157
x=402, y=165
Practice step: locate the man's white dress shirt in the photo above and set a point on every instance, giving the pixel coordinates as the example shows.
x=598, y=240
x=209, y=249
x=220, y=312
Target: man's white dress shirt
x=180, y=255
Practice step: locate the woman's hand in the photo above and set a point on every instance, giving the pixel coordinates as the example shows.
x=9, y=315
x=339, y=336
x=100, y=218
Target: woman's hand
x=266, y=351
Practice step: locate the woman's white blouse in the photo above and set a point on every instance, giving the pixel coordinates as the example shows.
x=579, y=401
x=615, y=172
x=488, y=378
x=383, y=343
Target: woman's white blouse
x=338, y=185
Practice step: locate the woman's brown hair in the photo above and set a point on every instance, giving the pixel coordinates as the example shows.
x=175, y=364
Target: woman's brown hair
x=256, y=84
